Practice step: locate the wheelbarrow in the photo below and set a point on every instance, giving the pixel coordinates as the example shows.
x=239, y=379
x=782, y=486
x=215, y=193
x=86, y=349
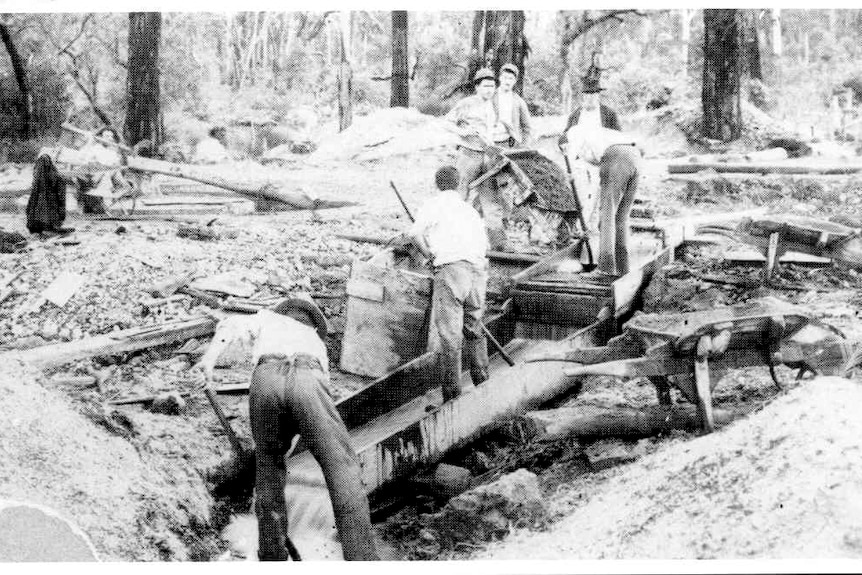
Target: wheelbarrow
x=694, y=349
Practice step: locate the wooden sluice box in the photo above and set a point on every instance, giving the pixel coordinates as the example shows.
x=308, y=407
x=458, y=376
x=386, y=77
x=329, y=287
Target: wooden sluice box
x=388, y=310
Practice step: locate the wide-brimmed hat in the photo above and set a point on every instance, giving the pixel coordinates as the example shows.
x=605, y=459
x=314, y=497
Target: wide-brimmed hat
x=484, y=74
x=592, y=82
x=303, y=309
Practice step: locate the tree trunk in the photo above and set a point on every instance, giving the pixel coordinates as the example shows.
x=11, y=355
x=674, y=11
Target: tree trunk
x=400, y=96
x=497, y=39
x=345, y=76
x=720, y=93
x=775, y=31
x=26, y=98
x=143, y=99
x=505, y=42
x=591, y=423
x=752, y=45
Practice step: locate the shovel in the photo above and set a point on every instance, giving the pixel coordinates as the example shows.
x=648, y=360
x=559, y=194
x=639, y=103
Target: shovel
x=580, y=207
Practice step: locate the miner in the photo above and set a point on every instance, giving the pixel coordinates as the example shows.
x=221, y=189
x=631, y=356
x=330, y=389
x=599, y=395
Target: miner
x=288, y=397
x=593, y=134
x=450, y=233
x=476, y=120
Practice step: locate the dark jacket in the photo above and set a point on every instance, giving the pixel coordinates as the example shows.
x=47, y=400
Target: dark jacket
x=46, y=208
x=609, y=121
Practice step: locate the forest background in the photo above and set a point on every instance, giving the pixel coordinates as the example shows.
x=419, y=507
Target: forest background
x=223, y=68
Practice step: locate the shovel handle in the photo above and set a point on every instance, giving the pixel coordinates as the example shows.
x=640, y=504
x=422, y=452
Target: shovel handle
x=231, y=434
x=496, y=345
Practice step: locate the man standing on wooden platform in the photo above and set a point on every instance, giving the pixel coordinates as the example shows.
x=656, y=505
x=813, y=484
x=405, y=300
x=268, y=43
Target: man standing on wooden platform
x=476, y=120
x=288, y=397
x=450, y=232
x=593, y=134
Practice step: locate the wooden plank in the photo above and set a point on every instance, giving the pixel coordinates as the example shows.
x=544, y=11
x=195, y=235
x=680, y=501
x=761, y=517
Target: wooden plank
x=755, y=257
x=702, y=384
x=763, y=168
x=627, y=289
x=382, y=334
x=421, y=432
x=56, y=355
x=771, y=257
x=366, y=289
x=553, y=308
x=551, y=263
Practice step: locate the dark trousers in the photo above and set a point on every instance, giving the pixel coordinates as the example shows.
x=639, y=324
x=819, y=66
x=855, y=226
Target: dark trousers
x=486, y=198
x=288, y=397
x=618, y=178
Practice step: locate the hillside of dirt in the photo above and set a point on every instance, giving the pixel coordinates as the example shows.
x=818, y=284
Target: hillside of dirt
x=780, y=484
x=135, y=501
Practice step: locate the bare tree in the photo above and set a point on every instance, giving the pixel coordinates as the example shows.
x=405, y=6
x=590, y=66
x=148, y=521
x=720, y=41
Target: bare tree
x=751, y=43
x=143, y=105
x=722, y=58
x=497, y=38
x=26, y=98
x=345, y=74
x=400, y=96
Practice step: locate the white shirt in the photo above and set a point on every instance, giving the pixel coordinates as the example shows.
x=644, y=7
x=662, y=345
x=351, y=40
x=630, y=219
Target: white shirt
x=590, y=118
x=210, y=151
x=453, y=229
x=265, y=332
x=589, y=141
x=505, y=103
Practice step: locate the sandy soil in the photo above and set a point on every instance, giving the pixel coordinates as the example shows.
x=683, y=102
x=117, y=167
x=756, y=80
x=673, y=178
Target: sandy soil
x=783, y=483
x=136, y=496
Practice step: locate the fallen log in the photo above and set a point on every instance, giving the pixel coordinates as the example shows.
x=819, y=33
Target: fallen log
x=14, y=191
x=56, y=355
x=267, y=191
x=751, y=168
x=590, y=423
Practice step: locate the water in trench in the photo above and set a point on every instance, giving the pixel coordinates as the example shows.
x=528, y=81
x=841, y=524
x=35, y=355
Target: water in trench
x=311, y=525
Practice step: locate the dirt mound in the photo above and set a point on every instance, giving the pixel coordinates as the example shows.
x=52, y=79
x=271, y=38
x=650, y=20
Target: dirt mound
x=385, y=133
x=666, y=127
x=783, y=483
x=130, y=502
x=550, y=182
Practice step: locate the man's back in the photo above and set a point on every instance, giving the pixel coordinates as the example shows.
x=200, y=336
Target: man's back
x=453, y=229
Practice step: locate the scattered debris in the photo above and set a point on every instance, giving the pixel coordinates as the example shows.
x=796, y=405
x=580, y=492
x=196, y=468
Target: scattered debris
x=63, y=287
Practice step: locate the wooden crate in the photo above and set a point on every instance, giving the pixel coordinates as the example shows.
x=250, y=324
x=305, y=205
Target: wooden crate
x=387, y=316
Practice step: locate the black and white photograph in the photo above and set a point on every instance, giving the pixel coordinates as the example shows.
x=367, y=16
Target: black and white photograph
x=472, y=286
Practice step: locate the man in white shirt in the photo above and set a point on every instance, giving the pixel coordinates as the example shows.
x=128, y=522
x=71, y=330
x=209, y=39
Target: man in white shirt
x=288, y=396
x=593, y=135
x=211, y=150
x=450, y=232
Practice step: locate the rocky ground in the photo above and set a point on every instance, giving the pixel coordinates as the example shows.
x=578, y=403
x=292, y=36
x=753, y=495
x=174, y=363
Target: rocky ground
x=127, y=457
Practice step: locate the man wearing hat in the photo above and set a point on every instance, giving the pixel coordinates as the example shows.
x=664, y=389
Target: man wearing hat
x=513, y=129
x=593, y=134
x=476, y=120
x=288, y=397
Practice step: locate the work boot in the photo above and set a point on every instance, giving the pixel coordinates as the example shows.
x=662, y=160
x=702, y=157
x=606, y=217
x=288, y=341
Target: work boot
x=477, y=357
x=449, y=373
